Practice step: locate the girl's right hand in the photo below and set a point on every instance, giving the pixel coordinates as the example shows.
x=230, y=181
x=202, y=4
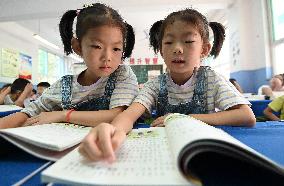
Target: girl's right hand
x=102, y=142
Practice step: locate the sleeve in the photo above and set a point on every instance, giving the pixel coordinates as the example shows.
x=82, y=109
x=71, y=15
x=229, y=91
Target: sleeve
x=148, y=94
x=50, y=100
x=277, y=104
x=126, y=88
x=226, y=95
x=8, y=100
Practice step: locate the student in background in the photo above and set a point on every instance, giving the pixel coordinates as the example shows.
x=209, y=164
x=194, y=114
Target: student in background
x=236, y=84
x=33, y=95
x=275, y=89
x=41, y=87
x=101, y=91
x=187, y=88
x=275, y=106
x=17, y=94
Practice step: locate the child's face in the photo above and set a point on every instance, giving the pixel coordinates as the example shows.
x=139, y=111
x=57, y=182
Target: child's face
x=182, y=48
x=101, y=49
x=40, y=90
x=276, y=83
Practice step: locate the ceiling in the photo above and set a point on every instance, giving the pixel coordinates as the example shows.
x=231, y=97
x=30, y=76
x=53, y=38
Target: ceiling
x=43, y=16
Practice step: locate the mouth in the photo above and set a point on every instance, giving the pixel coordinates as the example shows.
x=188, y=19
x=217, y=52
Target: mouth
x=178, y=61
x=105, y=68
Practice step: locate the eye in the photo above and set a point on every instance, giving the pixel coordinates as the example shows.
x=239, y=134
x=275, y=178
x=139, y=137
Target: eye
x=189, y=41
x=96, y=46
x=168, y=43
x=117, y=49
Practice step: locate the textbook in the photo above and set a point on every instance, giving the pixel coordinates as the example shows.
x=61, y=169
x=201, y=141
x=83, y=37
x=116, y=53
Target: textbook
x=185, y=152
x=46, y=141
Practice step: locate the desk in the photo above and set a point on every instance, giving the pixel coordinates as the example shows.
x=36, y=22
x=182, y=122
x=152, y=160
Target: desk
x=266, y=137
x=258, y=106
x=6, y=110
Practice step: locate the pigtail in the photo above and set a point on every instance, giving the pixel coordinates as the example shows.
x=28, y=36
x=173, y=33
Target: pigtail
x=66, y=30
x=154, y=35
x=129, y=41
x=219, y=37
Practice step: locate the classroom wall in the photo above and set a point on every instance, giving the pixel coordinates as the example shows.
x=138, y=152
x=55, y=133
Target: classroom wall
x=14, y=36
x=249, y=44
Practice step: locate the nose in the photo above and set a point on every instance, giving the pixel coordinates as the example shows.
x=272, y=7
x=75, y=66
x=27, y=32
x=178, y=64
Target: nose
x=178, y=49
x=106, y=55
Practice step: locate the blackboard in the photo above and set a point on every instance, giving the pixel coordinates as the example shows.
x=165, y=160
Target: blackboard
x=141, y=71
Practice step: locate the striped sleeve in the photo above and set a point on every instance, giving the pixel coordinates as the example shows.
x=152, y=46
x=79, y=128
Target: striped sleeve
x=226, y=95
x=49, y=101
x=148, y=94
x=126, y=88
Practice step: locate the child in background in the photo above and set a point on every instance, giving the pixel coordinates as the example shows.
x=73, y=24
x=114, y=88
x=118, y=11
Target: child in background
x=41, y=87
x=101, y=91
x=187, y=88
x=275, y=89
x=33, y=95
x=17, y=94
x=236, y=84
x=275, y=106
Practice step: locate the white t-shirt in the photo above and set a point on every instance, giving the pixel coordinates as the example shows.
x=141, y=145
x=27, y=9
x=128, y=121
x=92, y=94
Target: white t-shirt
x=221, y=94
x=126, y=89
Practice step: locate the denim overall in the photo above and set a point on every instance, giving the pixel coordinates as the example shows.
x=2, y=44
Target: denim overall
x=95, y=104
x=198, y=104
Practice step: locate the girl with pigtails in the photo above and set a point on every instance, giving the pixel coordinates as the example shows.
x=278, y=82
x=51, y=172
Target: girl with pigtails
x=100, y=92
x=182, y=39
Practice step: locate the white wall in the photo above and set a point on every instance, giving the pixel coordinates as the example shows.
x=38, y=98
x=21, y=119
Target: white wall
x=249, y=34
x=16, y=37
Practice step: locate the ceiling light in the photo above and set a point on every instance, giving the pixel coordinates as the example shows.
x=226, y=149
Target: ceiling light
x=46, y=42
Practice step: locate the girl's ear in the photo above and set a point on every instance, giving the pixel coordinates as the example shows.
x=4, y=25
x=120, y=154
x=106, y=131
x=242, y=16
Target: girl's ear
x=76, y=46
x=205, y=49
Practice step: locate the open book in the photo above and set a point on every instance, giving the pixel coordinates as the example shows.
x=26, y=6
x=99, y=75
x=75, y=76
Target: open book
x=185, y=152
x=47, y=141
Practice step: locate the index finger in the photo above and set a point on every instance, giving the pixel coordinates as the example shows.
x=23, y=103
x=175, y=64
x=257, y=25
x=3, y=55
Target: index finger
x=105, y=143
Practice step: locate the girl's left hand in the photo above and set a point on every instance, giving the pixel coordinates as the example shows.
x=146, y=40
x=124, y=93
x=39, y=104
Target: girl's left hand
x=159, y=122
x=46, y=117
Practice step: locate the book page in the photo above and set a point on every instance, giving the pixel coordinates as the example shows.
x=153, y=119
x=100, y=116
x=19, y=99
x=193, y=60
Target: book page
x=183, y=129
x=143, y=159
x=55, y=136
x=37, y=151
x=6, y=108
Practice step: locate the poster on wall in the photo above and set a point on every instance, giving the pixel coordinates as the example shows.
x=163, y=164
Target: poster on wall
x=10, y=63
x=25, y=66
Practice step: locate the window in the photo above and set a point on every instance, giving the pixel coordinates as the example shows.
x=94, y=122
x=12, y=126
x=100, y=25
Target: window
x=277, y=16
x=50, y=66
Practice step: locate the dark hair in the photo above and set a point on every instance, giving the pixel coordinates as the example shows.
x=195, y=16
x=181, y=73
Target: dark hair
x=19, y=85
x=34, y=91
x=94, y=15
x=43, y=84
x=232, y=80
x=195, y=18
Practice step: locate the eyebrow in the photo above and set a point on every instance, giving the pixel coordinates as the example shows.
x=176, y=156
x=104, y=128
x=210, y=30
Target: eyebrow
x=98, y=40
x=184, y=35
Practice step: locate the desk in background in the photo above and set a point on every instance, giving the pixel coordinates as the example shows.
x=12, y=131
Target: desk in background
x=266, y=138
x=6, y=110
x=258, y=106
